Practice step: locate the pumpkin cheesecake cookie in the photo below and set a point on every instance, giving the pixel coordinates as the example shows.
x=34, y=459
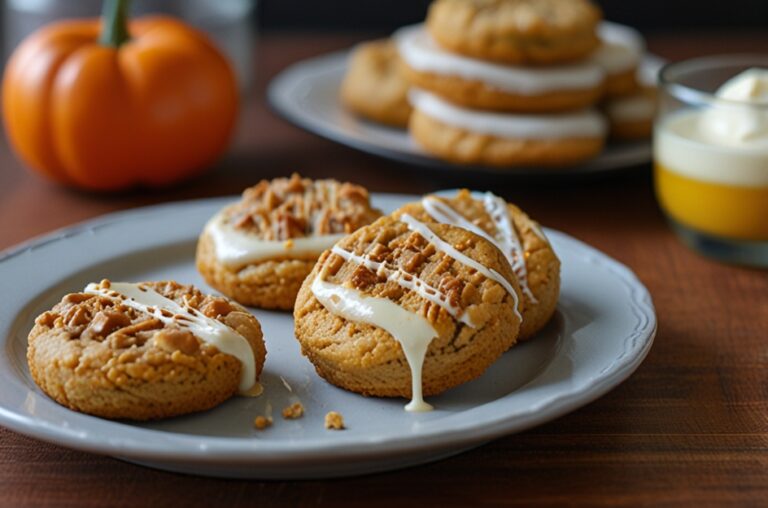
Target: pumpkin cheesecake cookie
x=504, y=140
x=619, y=55
x=631, y=116
x=144, y=351
x=259, y=250
x=524, y=32
x=374, y=86
x=487, y=85
x=403, y=308
x=517, y=236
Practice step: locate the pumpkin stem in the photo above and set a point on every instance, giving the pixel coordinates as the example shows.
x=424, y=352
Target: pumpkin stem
x=114, y=29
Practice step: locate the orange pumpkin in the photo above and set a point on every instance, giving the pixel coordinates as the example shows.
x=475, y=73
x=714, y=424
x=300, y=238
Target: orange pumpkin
x=149, y=102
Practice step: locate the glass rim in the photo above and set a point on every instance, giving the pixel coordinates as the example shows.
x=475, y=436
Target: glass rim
x=693, y=95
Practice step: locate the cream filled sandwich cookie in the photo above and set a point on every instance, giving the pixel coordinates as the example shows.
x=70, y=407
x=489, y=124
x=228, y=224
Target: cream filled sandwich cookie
x=517, y=236
x=619, y=55
x=259, y=250
x=374, y=85
x=145, y=351
x=481, y=84
x=407, y=308
x=527, y=32
x=504, y=140
x=631, y=116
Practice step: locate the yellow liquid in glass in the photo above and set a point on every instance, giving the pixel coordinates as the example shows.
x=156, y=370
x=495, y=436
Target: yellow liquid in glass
x=728, y=211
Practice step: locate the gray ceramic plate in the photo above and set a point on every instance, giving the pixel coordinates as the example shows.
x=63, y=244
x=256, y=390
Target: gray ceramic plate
x=307, y=94
x=603, y=329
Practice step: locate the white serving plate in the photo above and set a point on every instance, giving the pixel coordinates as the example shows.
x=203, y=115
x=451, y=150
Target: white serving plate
x=603, y=328
x=307, y=94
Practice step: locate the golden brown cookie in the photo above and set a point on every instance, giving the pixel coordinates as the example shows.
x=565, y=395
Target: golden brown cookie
x=487, y=85
x=144, y=351
x=631, y=117
x=528, y=32
x=464, y=136
x=259, y=250
x=395, y=285
x=374, y=86
x=519, y=238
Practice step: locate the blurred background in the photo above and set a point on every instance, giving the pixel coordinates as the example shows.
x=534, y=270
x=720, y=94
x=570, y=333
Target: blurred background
x=234, y=23
x=647, y=15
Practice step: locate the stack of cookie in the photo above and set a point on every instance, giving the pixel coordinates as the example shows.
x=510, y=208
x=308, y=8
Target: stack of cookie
x=506, y=82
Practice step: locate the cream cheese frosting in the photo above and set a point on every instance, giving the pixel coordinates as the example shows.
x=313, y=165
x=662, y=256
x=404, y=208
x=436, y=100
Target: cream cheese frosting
x=580, y=124
x=235, y=248
x=421, y=53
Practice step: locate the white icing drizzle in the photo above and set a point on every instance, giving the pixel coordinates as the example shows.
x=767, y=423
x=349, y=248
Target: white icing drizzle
x=236, y=249
x=448, y=249
x=506, y=239
x=407, y=281
x=212, y=331
x=421, y=53
x=412, y=331
x=579, y=124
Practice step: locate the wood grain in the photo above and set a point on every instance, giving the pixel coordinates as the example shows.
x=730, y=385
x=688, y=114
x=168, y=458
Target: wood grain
x=691, y=426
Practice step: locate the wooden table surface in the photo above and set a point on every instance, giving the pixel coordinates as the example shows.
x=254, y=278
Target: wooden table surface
x=690, y=426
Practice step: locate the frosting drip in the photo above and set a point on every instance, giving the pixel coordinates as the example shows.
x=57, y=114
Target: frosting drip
x=412, y=331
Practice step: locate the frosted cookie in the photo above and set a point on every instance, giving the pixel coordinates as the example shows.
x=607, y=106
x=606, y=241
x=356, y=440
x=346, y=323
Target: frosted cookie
x=486, y=85
x=619, y=55
x=504, y=140
x=631, y=117
x=259, y=250
x=145, y=351
x=374, y=86
x=403, y=308
x=519, y=238
x=528, y=32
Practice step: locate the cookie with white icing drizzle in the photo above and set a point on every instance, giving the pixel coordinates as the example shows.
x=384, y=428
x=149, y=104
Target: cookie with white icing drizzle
x=260, y=249
x=402, y=307
x=145, y=351
x=518, y=237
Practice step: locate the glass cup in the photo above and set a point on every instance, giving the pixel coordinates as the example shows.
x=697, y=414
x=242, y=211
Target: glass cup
x=711, y=155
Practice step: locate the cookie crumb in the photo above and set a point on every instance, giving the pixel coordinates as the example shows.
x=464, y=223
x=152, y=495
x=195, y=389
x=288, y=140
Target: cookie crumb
x=262, y=422
x=334, y=421
x=295, y=410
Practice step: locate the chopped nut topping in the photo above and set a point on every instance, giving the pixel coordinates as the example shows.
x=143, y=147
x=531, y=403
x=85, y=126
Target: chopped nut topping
x=216, y=307
x=174, y=339
x=47, y=318
x=362, y=277
x=262, y=422
x=294, y=208
x=295, y=410
x=105, y=322
x=334, y=421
